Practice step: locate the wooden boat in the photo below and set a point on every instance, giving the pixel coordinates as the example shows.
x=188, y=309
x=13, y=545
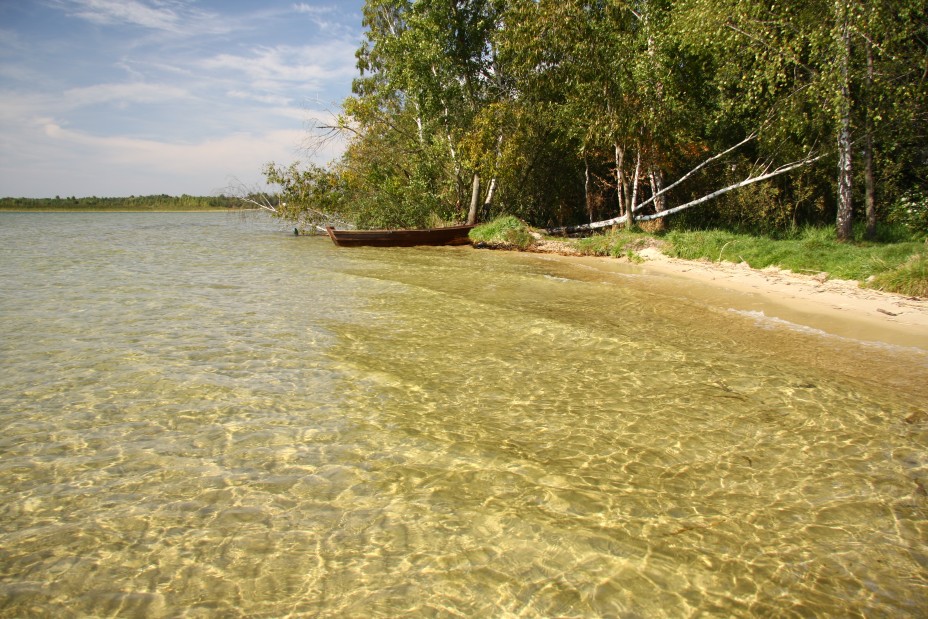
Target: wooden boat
x=451, y=235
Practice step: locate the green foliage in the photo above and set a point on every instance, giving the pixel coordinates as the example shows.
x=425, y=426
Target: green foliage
x=503, y=232
x=572, y=109
x=911, y=211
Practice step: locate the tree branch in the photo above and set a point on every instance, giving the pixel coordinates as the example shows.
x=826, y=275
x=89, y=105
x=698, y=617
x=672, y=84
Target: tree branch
x=715, y=157
x=748, y=181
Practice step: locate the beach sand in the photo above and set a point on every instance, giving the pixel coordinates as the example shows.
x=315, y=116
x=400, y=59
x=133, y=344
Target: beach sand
x=837, y=307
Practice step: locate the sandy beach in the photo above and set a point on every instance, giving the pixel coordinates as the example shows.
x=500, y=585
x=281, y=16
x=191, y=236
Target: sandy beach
x=838, y=307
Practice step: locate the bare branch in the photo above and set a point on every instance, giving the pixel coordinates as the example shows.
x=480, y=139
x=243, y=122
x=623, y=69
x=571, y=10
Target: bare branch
x=748, y=181
x=715, y=157
x=252, y=196
x=255, y=197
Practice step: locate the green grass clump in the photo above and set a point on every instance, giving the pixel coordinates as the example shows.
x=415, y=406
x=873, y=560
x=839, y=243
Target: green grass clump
x=908, y=278
x=615, y=243
x=894, y=267
x=504, y=232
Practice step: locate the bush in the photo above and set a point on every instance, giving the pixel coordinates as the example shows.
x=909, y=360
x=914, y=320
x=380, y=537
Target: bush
x=504, y=232
x=911, y=211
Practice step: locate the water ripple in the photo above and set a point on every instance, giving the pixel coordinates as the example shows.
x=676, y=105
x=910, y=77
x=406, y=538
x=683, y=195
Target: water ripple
x=203, y=416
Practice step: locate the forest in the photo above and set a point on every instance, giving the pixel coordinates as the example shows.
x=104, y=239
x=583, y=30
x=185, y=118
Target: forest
x=748, y=115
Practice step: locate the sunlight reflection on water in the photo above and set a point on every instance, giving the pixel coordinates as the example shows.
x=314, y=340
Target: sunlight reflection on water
x=205, y=416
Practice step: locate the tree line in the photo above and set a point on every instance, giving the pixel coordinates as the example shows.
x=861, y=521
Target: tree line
x=571, y=114
x=161, y=202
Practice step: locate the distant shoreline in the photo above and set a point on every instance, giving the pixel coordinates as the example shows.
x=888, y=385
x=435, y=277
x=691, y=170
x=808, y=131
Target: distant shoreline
x=152, y=203
x=121, y=210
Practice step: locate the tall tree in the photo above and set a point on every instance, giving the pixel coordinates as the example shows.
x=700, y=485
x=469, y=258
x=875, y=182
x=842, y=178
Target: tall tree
x=572, y=110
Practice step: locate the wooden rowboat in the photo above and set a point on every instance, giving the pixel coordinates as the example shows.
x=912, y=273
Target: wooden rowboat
x=451, y=235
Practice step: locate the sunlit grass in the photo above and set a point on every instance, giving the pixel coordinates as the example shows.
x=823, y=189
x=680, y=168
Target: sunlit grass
x=811, y=250
x=894, y=264
x=506, y=231
x=898, y=265
x=909, y=278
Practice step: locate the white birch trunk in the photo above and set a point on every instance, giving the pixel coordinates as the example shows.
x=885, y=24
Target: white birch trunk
x=748, y=181
x=586, y=186
x=844, y=221
x=491, y=192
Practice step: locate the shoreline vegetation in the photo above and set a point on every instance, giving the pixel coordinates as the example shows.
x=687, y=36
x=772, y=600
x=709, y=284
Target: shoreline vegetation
x=897, y=265
x=161, y=202
x=656, y=130
x=673, y=115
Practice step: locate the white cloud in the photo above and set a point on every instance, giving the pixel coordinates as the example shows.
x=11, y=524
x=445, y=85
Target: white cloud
x=287, y=63
x=171, y=16
x=123, y=94
x=269, y=99
x=126, y=12
x=324, y=17
x=302, y=7
x=70, y=162
x=228, y=152
x=164, y=99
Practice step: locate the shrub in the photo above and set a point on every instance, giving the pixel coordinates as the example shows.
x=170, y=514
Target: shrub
x=505, y=232
x=911, y=211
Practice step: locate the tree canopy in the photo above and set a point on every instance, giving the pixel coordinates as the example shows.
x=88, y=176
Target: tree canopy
x=750, y=114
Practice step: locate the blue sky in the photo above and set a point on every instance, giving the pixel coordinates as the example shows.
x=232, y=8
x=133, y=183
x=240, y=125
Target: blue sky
x=139, y=97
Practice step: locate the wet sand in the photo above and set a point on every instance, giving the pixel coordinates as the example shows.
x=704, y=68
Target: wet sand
x=838, y=307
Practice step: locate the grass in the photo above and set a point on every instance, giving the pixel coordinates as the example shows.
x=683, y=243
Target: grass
x=895, y=267
x=908, y=278
x=894, y=264
x=615, y=243
x=505, y=232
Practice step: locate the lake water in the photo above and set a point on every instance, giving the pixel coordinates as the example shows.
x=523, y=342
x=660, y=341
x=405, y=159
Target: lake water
x=203, y=416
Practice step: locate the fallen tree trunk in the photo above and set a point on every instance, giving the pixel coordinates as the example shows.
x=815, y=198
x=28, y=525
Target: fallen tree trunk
x=748, y=181
x=711, y=159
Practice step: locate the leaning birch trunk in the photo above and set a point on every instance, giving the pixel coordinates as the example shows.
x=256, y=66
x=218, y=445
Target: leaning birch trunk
x=474, y=199
x=596, y=225
x=706, y=162
x=748, y=181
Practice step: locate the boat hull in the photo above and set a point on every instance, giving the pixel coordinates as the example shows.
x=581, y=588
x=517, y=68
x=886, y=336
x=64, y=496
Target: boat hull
x=451, y=235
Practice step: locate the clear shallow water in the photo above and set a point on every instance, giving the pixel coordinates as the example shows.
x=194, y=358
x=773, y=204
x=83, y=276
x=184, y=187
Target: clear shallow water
x=203, y=416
